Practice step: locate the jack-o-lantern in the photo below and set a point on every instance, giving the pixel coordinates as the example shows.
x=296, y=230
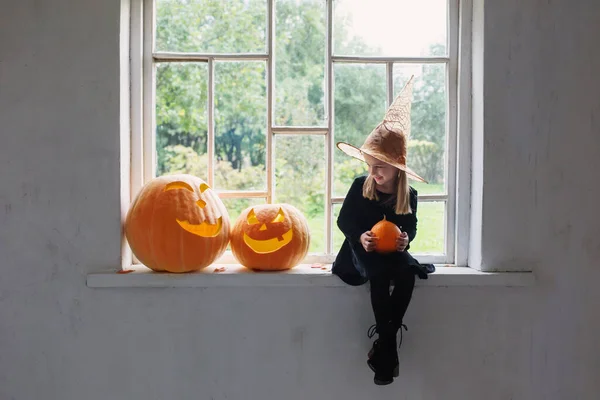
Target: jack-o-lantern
x=270, y=237
x=387, y=233
x=177, y=224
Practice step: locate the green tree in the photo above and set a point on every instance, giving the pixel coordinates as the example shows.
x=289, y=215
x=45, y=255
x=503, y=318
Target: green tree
x=240, y=97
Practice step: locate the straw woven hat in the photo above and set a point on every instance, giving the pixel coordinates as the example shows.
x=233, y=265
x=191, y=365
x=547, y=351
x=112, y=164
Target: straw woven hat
x=388, y=142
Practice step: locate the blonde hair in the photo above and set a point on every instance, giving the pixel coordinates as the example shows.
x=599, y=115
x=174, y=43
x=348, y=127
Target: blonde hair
x=402, y=192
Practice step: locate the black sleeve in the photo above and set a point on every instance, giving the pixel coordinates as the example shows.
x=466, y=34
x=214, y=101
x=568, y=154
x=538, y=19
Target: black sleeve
x=347, y=219
x=412, y=226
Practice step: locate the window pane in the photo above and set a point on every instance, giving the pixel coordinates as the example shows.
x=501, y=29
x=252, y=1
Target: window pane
x=236, y=206
x=181, y=119
x=430, y=228
x=338, y=236
x=240, y=125
x=300, y=166
x=211, y=26
x=427, y=146
x=390, y=27
x=360, y=104
x=299, y=62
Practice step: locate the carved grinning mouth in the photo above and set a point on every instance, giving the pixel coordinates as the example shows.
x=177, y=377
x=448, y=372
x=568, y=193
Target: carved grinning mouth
x=269, y=245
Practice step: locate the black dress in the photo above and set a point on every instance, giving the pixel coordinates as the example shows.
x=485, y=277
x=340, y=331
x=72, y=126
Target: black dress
x=353, y=264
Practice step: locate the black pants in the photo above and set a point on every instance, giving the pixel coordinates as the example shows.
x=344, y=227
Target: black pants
x=392, y=307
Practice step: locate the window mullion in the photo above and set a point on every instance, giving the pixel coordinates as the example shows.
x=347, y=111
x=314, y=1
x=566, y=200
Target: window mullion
x=136, y=48
x=386, y=59
x=178, y=57
x=451, y=129
x=269, y=159
x=330, y=121
x=462, y=193
x=210, y=138
x=389, y=69
x=242, y=194
x=300, y=130
x=137, y=97
x=149, y=89
x=424, y=198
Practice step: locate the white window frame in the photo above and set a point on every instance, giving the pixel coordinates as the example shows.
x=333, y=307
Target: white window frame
x=143, y=59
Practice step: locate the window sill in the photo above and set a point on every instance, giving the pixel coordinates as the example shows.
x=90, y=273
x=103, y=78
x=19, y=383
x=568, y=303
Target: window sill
x=232, y=275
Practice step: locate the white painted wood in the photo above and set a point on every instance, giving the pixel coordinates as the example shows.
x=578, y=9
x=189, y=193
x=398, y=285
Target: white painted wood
x=137, y=93
x=384, y=59
x=300, y=130
x=432, y=197
x=270, y=71
x=175, y=57
x=149, y=134
x=329, y=115
x=231, y=194
x=210, y=139
x=126, y=114
x=389, y=73
x=136, y=136
x=463, y=145
x=303, y=275
x=451, y=131
x=477, y=124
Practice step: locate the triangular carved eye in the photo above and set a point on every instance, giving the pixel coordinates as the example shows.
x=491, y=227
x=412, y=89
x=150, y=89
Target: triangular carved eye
x=204, y=187
x=280, y=216
x=251, y=219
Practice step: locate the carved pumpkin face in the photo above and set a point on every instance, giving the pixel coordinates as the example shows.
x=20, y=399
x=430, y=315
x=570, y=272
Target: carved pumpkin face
x=204, y=229
x=177, y=224
x=270, y=237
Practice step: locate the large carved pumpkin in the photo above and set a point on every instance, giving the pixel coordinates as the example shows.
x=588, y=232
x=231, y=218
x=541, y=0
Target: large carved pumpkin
x=270, y=237
x=177, y=224
x=387, y=233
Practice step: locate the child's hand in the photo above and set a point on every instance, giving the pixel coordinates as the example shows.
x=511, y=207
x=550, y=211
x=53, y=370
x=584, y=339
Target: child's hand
x=402, y=241
x=368, y=241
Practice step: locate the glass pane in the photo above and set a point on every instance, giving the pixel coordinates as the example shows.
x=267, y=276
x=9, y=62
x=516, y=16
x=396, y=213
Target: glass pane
x=430, y=228
x=236, y=206
x=390, y=27
x=300, y=166
x=338, y=236
x=240, y=125
x=360, y=104
x=299, y=62
x=427, y=145
x=211, y=26
x=181, y=119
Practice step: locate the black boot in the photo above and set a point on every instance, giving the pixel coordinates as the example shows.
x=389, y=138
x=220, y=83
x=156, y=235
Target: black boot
x=376, y=344
x=383, y=357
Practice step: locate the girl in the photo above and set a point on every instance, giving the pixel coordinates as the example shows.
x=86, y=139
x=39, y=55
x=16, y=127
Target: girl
x=384, y=192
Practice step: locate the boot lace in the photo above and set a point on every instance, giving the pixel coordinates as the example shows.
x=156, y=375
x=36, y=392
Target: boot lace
x=373, y=330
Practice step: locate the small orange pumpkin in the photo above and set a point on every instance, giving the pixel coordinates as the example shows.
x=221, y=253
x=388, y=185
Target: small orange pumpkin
x=387, y=233
x=177, y=224
x=270, y=237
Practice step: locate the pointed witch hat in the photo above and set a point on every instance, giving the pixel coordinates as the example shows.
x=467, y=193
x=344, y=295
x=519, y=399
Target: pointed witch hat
x=388, y=142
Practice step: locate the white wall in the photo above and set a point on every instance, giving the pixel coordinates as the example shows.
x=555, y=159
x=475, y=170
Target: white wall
x=59, y=174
